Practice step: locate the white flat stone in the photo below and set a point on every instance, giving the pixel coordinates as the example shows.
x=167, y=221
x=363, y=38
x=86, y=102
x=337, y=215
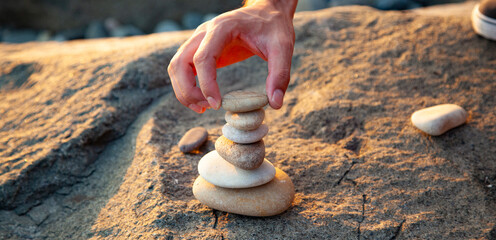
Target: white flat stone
x=245, y=121
x=217, y=171
x=244, y=137
x=266, y=200
x=438, y=119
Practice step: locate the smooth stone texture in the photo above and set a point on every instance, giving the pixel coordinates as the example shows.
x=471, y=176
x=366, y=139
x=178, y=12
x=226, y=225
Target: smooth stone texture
x=193, y=139
x=244, y=137
x=96, y=29
x=245, y=120
x=221, y=173
x=438, y=119
x=167, y=26
x=245, y=156
x=192, y=20
x=244, y=101
x=266, y=200
x=126, y=31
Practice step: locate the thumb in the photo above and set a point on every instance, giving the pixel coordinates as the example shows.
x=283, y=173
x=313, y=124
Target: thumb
x=279, y=63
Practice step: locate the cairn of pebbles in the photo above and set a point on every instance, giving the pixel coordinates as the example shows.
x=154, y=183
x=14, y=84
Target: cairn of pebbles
x=236, y=177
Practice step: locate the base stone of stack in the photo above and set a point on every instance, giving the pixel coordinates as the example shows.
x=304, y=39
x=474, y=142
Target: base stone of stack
x=269, y=199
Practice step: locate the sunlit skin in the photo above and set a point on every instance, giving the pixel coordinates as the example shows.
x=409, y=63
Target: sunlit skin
x=263, y=28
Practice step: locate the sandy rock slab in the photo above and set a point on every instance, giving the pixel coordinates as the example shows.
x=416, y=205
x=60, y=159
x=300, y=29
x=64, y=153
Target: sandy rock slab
x=439, y=119
x=266, y=200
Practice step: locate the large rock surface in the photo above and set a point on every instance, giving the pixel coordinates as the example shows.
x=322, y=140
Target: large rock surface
x=360, y=168
x=60, y=104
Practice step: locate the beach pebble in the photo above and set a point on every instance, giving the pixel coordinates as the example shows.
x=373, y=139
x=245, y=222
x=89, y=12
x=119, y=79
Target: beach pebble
x=193, y=139
x=245, y=120
x=245, y=156
x=244, y=101
x=240, y=136
x=213, y=168
x=438, y=119
x=266, y=200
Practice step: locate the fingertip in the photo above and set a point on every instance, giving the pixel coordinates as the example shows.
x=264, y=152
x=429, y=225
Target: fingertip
x=204, y=104
x=215, y=104
x=277, y=99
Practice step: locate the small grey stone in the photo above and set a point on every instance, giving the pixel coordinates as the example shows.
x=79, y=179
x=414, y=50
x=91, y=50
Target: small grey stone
x=209, y=16
x=72, y=34
x=396, y=5
x=192, y=20
x=310, y=5
x=126, y=31
x=245, y=156
x=335, y=3
x=19, y=36
x=96, y=29
x=193, y=139
x=43, y=36
x=167, y=26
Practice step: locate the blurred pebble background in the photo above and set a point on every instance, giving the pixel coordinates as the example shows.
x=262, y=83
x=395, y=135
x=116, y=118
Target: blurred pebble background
x=63, y=20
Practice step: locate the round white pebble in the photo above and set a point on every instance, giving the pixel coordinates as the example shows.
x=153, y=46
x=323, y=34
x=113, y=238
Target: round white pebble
x=217, y=171
x=438, y=119
x=244, y=137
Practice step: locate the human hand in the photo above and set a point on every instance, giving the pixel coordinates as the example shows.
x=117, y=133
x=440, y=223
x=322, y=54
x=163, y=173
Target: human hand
x=263, y=28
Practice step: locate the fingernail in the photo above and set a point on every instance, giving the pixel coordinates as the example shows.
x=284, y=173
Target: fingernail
x=213, y=103
x=195, y=108
x=204, y=104
x=277, y=98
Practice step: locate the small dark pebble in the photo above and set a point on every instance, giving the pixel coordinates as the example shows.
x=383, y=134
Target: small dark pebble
x=193, y=139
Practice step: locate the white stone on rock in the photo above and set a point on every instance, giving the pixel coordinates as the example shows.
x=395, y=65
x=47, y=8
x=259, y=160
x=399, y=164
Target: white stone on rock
x=266, y=200
x=240, y=136
x=217, y=171
x=438, y=119
x=245, y=120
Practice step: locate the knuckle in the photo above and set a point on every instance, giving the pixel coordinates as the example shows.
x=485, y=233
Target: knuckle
x=200, y=57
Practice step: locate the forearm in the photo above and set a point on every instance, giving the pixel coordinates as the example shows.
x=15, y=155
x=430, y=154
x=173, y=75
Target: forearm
x=286, y=6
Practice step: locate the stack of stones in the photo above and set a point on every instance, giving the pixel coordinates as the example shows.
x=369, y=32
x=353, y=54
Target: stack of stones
x=236, y=177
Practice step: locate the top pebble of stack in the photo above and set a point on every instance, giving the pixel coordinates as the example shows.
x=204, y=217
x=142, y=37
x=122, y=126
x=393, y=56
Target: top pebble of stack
x=244, y=101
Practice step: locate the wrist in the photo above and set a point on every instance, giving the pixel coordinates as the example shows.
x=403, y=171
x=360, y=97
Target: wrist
x=287, y=7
